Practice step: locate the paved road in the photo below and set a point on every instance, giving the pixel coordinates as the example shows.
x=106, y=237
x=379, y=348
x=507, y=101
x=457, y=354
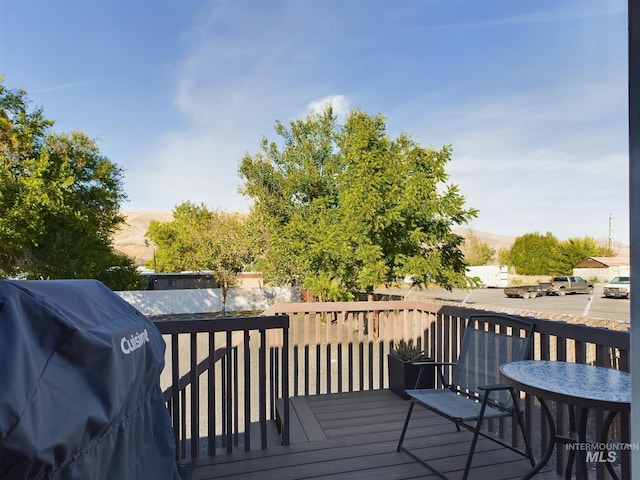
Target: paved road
x=579, y=305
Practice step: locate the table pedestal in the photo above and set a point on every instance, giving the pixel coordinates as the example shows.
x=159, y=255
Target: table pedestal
x=577, y=435
x=582, y=388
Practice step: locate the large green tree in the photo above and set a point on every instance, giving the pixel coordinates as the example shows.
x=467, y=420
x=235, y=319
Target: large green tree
x=59, y=201
x=346, y=208
x=198, y=239
x=536, y=254
x=574, y=250
x=532, y=254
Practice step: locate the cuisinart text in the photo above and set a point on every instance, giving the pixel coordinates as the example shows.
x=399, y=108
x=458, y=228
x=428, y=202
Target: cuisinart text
x=134, y=342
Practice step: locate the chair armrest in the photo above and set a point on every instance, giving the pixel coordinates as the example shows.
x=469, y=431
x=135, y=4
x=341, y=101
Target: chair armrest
x=497, y=386
x=432, y=362
x=488, y=389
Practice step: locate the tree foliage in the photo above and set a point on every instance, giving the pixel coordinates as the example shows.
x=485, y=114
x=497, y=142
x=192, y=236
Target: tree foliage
x=477, y=252
x=198, y=239
x=59, y=201
x=346, y=208
x=572, y=251
x=532, y=253
x=535, y=254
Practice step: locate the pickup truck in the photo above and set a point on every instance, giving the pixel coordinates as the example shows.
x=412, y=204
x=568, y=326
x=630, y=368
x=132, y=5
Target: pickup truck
x=563, y=285
x=619, y=287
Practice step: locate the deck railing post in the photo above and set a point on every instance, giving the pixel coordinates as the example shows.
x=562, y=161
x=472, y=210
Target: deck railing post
x=285, y=384
x=175, y=391
x=262, y=387
x=229, y=396
x=247, y=391
x=195, y=397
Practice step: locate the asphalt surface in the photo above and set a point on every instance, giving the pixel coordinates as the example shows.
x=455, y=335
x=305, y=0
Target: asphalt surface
x=578, y=305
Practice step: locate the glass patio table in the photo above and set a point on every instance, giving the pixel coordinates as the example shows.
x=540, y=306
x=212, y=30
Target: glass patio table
x=580, y=387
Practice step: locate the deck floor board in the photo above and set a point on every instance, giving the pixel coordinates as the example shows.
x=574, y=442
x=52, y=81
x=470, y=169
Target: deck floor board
x=354, y=436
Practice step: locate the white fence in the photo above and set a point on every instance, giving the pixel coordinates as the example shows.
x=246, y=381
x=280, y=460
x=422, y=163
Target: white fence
x=164, y=302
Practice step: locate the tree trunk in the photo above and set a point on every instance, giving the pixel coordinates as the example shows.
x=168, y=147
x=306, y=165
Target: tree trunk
x=369, y=291
x=224, y=299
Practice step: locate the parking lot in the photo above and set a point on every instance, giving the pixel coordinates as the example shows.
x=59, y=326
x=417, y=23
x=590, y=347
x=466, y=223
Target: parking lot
x=578, y=305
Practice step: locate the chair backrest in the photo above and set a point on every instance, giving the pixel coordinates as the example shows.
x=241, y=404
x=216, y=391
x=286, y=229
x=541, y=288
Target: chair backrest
x=488, y=342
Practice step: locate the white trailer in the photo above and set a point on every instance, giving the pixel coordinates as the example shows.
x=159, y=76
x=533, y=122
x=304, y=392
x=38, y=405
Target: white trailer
x=490, y=276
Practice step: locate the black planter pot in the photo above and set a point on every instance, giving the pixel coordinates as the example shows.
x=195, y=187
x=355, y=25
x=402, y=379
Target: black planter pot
x=403, y=375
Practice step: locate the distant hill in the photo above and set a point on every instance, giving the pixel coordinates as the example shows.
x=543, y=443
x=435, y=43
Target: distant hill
x=495, y=241
x=130, y=238
x=504, y=242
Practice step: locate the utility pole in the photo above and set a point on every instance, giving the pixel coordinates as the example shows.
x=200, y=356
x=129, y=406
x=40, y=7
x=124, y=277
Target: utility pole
x=610, y=230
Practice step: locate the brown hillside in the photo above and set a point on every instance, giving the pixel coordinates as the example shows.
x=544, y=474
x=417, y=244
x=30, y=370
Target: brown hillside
x=495, y=241
x=130, y=238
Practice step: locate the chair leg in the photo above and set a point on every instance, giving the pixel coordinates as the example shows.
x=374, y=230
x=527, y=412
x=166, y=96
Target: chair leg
x=476, y=434
x=520, y=419
x=406, y=424
x=410, y=453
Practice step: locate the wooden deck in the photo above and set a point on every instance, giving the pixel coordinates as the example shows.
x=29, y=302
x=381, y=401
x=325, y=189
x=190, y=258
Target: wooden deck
x=354, y=436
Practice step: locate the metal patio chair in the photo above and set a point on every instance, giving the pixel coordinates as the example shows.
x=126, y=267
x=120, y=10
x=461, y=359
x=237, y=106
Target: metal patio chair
x=475, y=393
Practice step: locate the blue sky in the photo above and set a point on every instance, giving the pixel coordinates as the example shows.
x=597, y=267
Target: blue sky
x=531, y=94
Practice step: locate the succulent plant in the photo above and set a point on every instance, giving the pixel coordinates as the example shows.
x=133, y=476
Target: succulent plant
x=406, y=350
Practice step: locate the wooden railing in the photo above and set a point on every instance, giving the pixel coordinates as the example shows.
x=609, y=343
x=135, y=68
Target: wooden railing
x=338, y=347
x=215, y=379
x=343, y=347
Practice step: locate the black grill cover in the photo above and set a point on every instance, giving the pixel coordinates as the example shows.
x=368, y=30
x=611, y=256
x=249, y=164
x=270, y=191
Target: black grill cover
x=79, y=385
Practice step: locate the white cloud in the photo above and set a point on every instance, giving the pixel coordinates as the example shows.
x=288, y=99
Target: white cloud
x=340, y=104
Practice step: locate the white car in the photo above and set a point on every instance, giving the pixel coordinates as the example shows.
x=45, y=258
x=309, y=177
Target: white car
x=618, y=287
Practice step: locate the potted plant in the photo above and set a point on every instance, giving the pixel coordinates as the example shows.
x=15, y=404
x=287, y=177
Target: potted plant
x=403, y=374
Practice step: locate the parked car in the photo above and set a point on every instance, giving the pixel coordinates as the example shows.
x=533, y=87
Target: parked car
x=563, y=285
x=618, y=287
